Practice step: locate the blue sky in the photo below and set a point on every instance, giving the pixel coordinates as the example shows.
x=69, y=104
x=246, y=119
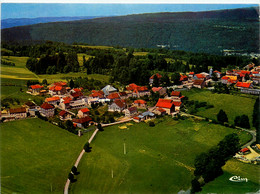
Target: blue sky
x=32, y=10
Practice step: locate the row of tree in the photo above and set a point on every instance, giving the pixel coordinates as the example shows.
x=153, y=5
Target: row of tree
x=51, y=64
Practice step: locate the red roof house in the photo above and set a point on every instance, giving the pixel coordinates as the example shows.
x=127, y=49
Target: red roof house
x=243, y=85
x=166, y=104
x=47, y=109
x=113, y=96
x=83, y=112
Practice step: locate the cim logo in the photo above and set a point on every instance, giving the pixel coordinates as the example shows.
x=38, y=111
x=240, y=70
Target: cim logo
x=238, y=179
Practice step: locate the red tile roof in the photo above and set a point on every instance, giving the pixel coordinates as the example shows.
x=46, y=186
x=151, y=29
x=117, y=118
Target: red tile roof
x=119, y=103
x=176, y=93
x=191, y=73
x=140, y=102
x=36, y=86
x=137, y=118
x=54, y=98
x=60, y=83
x=47, y=106
x=243, y=84
x=56, y=88
x=113, y=96
x=198, y=82
x=255, y=72
x=177, y=103
x=62, y=113
x=225, y=78
x=183, y=77
x=132, y=109
x=122, y=93
x=17, y=110
x=77, y=89
x=164, y=103
x=200, y=76
x=84, y=110
x=82, y=120
x=157, y=74
x=156, y=89
x=244, y=150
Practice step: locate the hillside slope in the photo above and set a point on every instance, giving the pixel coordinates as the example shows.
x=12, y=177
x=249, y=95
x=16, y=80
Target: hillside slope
x=210, y=31
x=12, y=22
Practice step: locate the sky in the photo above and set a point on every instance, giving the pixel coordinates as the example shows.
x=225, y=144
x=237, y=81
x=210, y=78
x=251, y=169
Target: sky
x=33, y=10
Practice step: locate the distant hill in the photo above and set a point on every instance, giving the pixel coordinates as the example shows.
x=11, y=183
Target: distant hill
x=211, y=31
x=12, y=22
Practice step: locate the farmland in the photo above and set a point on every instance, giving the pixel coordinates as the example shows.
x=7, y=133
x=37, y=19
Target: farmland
x=36, y=156
x=231, y=104
x=158, y=159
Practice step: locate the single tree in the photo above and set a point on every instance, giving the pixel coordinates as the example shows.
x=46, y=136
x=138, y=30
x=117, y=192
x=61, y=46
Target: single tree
x=222, y=116
x=74, y=170
x=44, y=82
x=245, y=122
x=71, y=177
x=100, y=128
x=87, y=147
x=71, y=84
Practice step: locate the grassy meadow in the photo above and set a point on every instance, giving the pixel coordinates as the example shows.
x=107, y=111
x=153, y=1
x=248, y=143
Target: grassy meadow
x=233, y=105
x=158, y=159
x=37, y=156
x=235, y=168
x=80, y=58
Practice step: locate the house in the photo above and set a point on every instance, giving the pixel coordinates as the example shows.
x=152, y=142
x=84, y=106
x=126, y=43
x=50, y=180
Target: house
x=18, y=113
x=138, y=91
x=108, y=90
x=130, y=111
x=58, y=88
x=218, y=74
x=123, y=95
x=159, y=111
x=82, y=122
x=141, y=91
x=113, y=96
x=166, y=104
x=76, y=94
x=47, y=110
x=183, y=78
x=199, y=83
x=53, y=100
x=206, y=75
x=30, y=105
x=137, y=119
x=175, y=95
x=199, y=77
x=80, y=103
x=140, y=104
x=83, y=112
x=177, y=105
x=244, y=151
x=65, y=103
x=160, y=90
x=117, y=105
x=244, y=85
x=146, y=115
x=152, y=77
x=191, y=74
x=65, y=115
x=96, y=94
x=35, y=89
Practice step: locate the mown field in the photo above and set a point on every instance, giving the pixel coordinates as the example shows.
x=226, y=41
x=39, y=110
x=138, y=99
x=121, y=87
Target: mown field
x=235, y=168
x=37, y=156
x=158, y=159
x=233, y=105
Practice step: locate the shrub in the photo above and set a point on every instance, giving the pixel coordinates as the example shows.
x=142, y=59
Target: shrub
x=151, y=124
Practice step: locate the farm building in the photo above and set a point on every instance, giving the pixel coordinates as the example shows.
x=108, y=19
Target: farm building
x=18, y=113
x=166, y=104
x=83, y=112
x=117, y=105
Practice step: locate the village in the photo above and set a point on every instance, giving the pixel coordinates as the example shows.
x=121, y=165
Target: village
x=70, y=104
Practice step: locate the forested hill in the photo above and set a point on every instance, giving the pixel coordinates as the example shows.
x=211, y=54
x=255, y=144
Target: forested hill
x=12, y=22
x=209, y=32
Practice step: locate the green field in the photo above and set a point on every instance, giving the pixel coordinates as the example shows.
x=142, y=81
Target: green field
x=158, y=159
x=80, y=58
x=235, y=168
x=37, y=156
x=94, y=47
x=233, y=105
